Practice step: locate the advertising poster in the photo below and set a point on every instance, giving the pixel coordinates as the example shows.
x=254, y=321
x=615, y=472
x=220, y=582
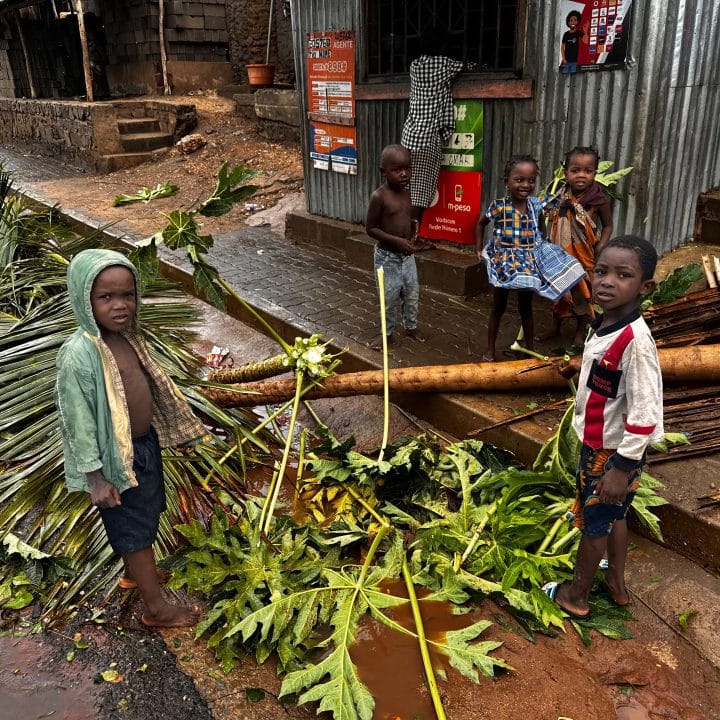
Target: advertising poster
x=595, y=35
x=333, y=147
x=331, y=101
x=455, y=210
x=331, y=73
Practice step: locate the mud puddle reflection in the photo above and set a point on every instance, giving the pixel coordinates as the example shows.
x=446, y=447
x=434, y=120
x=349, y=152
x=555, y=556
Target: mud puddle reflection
x=389, y=662
x=36, y=687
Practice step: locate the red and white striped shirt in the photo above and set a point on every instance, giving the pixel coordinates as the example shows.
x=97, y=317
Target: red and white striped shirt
x=619, y=402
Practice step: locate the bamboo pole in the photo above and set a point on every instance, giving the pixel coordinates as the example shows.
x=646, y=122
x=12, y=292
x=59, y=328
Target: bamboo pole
x=163, y=52
x=26, y=57
x=85, y=54
x=685, y=364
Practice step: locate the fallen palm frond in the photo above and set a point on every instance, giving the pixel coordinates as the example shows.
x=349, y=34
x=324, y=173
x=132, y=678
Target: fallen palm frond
x=36, y=319
x=145, y=194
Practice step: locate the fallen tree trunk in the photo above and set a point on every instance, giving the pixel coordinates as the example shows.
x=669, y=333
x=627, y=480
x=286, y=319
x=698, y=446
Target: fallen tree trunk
x=686, y=364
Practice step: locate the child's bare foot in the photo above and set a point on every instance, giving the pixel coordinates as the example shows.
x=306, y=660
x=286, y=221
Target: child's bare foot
x=128, y=583
x=415, y=334
x=377, y=343
x=171, y=616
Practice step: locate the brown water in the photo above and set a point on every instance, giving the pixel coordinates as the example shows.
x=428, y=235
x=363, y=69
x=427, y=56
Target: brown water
x=32, y=686
x=389, y=662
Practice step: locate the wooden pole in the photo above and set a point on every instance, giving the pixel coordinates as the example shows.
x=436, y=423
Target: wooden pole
x=28, y=67
x=85, y=54
x=270, y=24
x=699, y=363
x=167, y=90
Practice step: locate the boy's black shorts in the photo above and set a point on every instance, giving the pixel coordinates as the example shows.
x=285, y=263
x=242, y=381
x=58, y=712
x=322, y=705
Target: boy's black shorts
x=134, y=525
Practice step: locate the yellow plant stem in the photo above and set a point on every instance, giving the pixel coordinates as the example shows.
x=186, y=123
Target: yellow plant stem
x=361, y=501
x=273, y=493
x=424, y=652
x=381, y=533
x=301, y=462
x=386, y=384
x=474, y=539
x=260, y=426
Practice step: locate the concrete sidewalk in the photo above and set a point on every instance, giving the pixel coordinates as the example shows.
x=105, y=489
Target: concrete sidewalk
x=300, y=290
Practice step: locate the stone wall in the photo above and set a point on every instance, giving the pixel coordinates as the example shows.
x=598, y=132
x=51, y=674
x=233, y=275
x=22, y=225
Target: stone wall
x=81, y=133
x=247, y=23
x=60, y=129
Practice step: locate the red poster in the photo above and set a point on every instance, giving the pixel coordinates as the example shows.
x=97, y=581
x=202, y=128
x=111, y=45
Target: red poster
x=455, y=213
x=331, y=72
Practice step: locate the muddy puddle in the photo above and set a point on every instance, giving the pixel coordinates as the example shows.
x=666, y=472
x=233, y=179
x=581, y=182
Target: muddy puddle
x=389, y=661
x=33, y=686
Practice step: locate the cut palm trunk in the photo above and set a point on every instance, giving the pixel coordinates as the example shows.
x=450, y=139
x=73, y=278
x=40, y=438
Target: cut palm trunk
x=700, y=363
x=251, y=371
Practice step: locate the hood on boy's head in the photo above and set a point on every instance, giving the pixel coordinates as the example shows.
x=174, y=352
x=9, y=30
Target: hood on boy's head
x=83, y=270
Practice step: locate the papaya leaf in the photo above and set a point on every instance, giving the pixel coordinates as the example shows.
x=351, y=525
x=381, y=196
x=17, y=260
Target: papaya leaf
x=145, y=194
x=181, y=230
x=226, y=194
x=470, y=657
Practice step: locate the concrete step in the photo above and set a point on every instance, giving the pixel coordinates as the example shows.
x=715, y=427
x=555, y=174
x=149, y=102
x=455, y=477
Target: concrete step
x=133, y=126
x=119, y=161
x=450, y=271
x=446, y=269
x=145, y=141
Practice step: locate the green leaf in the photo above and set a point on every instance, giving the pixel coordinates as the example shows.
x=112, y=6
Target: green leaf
x=685, y=618
x=226, y=194
x=470, y=657
x=145, y=195
x=21, y=599
x=205, y=278
x=181, y=230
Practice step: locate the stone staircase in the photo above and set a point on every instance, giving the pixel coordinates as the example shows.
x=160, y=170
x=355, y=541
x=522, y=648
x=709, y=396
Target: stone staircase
x=140, y=135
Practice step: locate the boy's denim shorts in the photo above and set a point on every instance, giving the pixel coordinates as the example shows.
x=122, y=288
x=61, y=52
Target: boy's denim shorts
x=593, y=517
x=133, y=525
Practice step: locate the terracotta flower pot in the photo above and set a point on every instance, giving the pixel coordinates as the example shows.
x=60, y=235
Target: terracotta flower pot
x=260, y=74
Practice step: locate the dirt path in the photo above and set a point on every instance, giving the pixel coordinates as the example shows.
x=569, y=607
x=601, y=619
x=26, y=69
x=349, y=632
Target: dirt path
x=230, y=138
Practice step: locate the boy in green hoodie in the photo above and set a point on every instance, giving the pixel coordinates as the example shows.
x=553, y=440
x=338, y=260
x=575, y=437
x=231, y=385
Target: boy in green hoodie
x=117, y=409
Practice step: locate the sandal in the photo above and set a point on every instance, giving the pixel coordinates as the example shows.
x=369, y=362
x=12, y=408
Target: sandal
x=551, y=589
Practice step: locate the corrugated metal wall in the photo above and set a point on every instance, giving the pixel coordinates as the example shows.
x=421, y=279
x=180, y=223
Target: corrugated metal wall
x=661, y=115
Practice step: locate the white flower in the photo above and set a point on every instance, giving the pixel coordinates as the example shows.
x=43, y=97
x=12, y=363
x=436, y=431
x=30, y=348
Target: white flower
x=313, y=355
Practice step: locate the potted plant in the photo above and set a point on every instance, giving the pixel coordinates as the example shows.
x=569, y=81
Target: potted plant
x=262, y=74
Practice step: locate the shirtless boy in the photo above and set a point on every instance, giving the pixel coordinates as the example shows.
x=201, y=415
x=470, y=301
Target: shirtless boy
x=390, y=223
x=117, y=408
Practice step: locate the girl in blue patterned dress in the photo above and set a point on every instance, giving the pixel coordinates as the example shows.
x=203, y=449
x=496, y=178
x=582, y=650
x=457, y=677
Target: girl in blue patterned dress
x=517, y=255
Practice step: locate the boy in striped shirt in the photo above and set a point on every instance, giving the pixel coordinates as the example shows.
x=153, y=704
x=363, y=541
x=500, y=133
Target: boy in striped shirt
x=618, y=413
